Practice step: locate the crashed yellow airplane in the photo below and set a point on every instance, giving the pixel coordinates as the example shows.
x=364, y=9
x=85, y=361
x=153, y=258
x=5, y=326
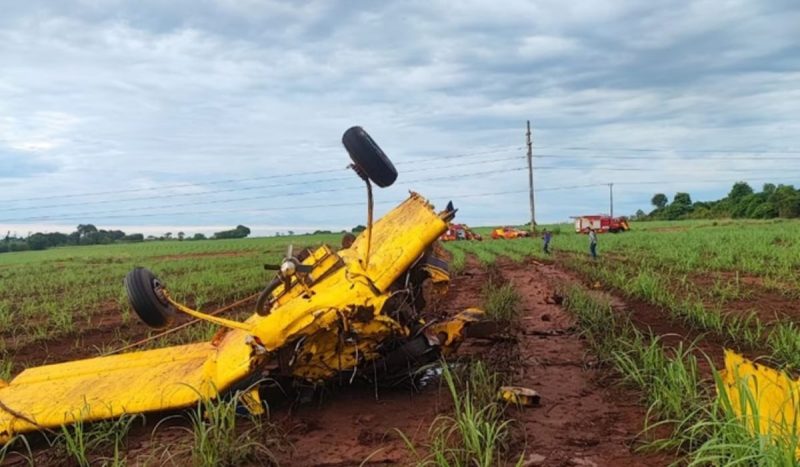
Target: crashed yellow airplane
x=325, y=313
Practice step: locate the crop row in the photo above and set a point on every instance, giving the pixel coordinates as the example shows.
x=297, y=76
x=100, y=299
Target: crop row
x=705, y=425
x=46, y=294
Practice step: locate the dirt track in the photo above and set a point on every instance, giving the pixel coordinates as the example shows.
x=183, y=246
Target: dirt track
x=584, y=418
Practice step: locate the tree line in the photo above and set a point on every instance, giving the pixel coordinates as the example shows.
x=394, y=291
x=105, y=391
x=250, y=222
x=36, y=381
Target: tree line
x=88, y=234
x=741, y=202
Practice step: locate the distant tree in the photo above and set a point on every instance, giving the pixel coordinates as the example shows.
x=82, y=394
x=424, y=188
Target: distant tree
x=640, y=215
x=739, y=191
x=358, y=228
x=74, y=238
x=787, y=201
x=240, y=231
x=198, y=236
x=181, y=235
x=291, y=232
x=151, y=237
x=38, y=241
x=659, y=200
x=769, y=188
x=133, y=238
x=84, y=229
x=167, y=236
x=682, y=199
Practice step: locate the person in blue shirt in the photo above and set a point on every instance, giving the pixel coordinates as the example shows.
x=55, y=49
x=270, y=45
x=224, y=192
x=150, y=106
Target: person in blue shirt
x=547, y=236
x=593, y=243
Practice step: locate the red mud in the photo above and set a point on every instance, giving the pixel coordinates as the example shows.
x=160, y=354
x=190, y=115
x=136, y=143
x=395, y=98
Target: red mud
x=582, y=419
x=768, y=303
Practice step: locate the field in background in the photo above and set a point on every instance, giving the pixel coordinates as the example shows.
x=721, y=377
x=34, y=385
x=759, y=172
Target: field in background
x=749, y=268
x=679, y=291
x=69, y=294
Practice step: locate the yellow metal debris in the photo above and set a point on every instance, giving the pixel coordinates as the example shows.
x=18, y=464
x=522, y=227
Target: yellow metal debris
x=331, y=323
x=518, y=395
x=759, y=392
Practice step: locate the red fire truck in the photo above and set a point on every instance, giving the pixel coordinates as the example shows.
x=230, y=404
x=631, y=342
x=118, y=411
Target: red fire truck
x=601, y=223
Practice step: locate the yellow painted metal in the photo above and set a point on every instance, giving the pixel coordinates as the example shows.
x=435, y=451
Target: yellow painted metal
x=518, y=395
x=449, y=334
x=204, y=316
x=332, y=323
x=758, y=391
x=106, y=387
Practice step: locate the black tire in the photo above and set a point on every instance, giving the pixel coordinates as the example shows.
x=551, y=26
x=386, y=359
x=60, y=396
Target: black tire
x=155, y=311
x=368, y=157
x=264, y=297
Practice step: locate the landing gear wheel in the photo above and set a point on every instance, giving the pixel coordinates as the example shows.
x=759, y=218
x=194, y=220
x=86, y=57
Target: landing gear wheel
x=264, y=302
x=144, y=295
x=369, y=159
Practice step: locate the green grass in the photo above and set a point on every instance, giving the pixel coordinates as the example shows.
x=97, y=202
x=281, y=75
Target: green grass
x=97, y=443
x=705, y=428
x=476, y=433
x=217, y=440
x=501, y=302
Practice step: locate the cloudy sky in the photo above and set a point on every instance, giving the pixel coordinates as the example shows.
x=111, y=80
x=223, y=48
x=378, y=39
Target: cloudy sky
x=198, y=115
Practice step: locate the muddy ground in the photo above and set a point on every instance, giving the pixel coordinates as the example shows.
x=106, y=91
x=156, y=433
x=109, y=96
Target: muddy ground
x=585, y=418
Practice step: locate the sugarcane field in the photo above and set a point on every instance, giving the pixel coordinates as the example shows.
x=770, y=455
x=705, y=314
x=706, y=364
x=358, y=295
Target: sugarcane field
x=246, y=233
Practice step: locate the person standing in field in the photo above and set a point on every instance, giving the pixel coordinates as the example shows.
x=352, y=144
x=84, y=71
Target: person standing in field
x=546, y=237
x=593, y=243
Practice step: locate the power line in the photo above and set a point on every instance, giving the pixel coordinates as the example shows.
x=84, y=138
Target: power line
x=661, y=169
x=286, y=208
x=292, y=175
x=347, y=178
x=676, y=159
x=702, y=151
x=249, y=179
x=454, y=196
x=238, y=189
x=251, y=198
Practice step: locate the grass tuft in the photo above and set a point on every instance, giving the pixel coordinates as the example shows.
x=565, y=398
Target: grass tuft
x=218, y=442
x=501, y=301
x=476, y=434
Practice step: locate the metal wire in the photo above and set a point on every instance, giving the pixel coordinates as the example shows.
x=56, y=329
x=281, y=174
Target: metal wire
x=182, y=326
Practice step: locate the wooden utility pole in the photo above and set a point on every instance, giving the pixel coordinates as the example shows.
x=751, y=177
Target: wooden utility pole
x=611, y=197
x=530, y=177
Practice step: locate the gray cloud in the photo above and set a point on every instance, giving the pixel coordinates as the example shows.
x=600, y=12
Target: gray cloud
x=117, y=95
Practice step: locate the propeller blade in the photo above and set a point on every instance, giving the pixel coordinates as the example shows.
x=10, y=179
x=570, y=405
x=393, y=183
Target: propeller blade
x=289, y=251
x=304, y=268
x=272, y=267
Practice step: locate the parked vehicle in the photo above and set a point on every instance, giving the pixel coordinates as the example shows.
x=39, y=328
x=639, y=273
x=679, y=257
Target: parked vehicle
x=509, y=233
x=459, y=232
x=601, y=223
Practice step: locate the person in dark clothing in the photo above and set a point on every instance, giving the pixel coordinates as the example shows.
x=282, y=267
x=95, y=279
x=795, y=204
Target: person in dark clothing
x=593, y=243
x=546, y=237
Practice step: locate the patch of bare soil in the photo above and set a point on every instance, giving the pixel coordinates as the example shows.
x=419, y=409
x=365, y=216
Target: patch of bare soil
x=753, y=296
x=582, y=419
